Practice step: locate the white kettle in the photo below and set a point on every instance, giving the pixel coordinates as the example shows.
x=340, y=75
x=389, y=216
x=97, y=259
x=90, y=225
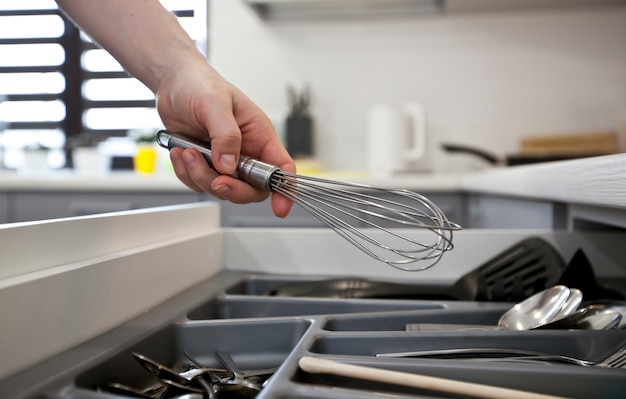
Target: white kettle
x=396, y=139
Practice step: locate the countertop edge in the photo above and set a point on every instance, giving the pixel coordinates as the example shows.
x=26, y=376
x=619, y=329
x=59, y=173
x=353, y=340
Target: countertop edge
x=591, y=181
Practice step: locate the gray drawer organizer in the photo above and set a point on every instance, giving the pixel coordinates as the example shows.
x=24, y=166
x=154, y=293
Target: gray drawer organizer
x=230, y=313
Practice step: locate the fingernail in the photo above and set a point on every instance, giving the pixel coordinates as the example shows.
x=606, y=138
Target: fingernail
x=189, y=158
x=228, y=161
x=222, y=190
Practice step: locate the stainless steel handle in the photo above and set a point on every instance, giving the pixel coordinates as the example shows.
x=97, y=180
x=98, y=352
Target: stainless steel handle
x=254, y=172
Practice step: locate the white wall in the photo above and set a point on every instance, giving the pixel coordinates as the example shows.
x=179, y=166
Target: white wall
x=484, y=78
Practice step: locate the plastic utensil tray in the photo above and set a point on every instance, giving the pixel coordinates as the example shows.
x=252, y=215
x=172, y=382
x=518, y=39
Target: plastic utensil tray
x=263, y=331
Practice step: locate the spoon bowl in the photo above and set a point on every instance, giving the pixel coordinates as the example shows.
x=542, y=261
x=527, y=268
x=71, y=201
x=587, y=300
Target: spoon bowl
x=592, y=317
x=571, y=305
x=536, y=310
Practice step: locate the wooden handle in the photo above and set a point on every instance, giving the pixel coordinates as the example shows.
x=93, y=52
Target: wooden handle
x=316, y=365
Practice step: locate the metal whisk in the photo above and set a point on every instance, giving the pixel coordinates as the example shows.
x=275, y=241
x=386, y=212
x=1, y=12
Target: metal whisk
x=342, y=206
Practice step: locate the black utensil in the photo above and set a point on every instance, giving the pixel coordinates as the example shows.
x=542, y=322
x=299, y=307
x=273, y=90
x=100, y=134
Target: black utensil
x=579, y=274
x=508, y=160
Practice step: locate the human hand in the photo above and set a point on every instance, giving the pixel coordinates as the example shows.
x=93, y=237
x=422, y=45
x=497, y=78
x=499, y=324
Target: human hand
x=195, y=100
x=192, y=98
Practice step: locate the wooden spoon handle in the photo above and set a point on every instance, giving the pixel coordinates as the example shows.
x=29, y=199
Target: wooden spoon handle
x=316, y=365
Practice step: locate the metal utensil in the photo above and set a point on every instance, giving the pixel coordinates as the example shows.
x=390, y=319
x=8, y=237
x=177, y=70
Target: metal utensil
x=536, y=310
x=122, y=389
x=202, y=376
x=608, y=319
x=341, y=205
x=616, y=359
x=571, y=305
x=480, y=353
x=161, y=371
x=179, y=388
x=238, y=383
x=592, y=317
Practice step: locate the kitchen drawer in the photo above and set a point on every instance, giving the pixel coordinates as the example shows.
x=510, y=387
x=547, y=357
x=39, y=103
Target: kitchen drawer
x=27, y=206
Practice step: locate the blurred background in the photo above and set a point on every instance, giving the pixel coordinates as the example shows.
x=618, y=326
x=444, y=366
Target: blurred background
x=60, y=92
x=484, y=74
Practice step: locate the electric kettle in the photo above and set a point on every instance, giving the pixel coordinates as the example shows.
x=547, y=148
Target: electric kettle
x=396, y=135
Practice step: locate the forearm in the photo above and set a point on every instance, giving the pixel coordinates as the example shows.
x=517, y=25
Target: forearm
x=143, y=36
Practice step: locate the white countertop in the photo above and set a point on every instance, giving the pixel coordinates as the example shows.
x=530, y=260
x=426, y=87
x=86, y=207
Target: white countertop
x=70, y=181
x=592, y=181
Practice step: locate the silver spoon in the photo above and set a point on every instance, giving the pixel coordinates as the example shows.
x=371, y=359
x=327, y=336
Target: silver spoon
x=607, y=319
x=570, y=306
x=536, y=310
x=238, y=383
x=592, y=317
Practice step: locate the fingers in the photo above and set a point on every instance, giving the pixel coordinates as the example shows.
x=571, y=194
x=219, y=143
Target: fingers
x=281, y=205
x=192, y=169
x=223, y=129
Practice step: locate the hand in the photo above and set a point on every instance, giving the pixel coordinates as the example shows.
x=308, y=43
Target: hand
x=195, y=100
x=192, y=98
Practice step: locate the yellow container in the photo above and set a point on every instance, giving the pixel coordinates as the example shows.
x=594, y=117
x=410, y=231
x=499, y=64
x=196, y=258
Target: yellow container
x=145, y=159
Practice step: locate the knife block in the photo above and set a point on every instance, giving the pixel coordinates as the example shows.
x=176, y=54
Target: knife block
x=299, y=135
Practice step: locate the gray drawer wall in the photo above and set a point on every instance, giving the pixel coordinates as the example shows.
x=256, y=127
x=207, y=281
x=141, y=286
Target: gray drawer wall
x=27, y=206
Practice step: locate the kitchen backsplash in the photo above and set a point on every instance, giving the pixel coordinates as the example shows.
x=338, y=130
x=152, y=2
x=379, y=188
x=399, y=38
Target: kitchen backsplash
x=483, y=78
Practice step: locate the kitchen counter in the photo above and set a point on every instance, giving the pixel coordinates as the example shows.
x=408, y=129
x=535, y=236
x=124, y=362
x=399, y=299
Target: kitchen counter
x=594, y=181
x=551, y=195
x=70, y=181
x=124, y=181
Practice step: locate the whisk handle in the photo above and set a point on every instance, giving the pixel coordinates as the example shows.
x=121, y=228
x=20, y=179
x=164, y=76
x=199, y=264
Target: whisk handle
x=249, y=170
